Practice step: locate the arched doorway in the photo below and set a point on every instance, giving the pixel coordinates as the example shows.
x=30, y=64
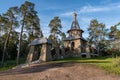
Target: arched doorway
x=72, y=45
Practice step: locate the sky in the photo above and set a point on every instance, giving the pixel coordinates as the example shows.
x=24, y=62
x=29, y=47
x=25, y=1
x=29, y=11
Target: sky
x=105, y=11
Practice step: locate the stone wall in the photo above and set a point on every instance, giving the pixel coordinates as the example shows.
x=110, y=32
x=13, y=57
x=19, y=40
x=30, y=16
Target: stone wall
x=30, y=56
x=66, y=43
x=77, y=48
x=45, y=53
x=77, y=43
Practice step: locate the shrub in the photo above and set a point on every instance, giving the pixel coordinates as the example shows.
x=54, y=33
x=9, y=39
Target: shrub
x=116, y=62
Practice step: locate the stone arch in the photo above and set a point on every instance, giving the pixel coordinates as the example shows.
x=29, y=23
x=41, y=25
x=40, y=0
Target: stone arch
x=40, y=47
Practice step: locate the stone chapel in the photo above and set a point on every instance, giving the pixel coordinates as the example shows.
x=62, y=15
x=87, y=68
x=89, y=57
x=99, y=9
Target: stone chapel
x=74, y=45
x=75, y=41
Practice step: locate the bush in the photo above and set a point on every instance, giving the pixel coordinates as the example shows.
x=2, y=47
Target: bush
x=115, y=54
x=116, y=62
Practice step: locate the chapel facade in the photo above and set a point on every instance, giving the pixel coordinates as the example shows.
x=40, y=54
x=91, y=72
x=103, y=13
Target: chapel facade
x=75, y=41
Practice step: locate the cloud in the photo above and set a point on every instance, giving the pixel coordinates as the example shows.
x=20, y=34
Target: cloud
x=66, y=14
x=89, y=9
x=93, y=9
x=118, y=6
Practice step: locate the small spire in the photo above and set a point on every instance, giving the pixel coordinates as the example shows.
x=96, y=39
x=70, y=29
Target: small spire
x=74, y=16
x=75, y=24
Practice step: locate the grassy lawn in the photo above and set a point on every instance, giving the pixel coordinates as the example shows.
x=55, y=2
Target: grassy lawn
x=111, y=65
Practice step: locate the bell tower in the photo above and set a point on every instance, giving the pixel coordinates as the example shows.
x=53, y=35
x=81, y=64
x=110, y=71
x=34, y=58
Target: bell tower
x=75, y=42
x=75, y=28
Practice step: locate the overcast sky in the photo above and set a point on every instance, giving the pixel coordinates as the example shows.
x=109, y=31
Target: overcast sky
x=106, y=11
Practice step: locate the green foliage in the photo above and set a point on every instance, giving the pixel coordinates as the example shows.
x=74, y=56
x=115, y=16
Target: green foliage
x=97, y=35
x=55, y=30
x=27, y=19
x=24, y=49
x=115, y=54
x=1, y=49
x=114, y=31
x=9, y=23
x=30, y=21
x=11, y=51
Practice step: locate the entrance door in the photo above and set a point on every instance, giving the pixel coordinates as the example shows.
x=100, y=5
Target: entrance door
x=72, y=45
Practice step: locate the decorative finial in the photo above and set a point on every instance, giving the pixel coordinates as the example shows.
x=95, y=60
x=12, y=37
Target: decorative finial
x=74, y=16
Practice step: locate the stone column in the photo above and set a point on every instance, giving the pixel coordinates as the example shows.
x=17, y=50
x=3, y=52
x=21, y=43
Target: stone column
x=45, y=53
x=30, y=54
x=79, y=52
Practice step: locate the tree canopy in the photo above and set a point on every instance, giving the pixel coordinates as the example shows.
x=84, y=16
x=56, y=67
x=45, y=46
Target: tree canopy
x=25, y=18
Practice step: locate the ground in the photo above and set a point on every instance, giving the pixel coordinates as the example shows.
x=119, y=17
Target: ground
x=58, y=71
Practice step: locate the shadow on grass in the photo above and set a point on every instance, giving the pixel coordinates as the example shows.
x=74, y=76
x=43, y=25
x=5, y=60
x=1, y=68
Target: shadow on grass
x=37, y=68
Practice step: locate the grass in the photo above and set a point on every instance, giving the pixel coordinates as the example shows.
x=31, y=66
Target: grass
x=111, y=65
x=10, y=64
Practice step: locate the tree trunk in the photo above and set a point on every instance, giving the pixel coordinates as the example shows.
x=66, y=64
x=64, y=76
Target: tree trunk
x=5, y=46
x=19, y=46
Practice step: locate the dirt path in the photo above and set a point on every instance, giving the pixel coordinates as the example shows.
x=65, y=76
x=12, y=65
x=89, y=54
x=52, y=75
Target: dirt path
x=58, y=71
